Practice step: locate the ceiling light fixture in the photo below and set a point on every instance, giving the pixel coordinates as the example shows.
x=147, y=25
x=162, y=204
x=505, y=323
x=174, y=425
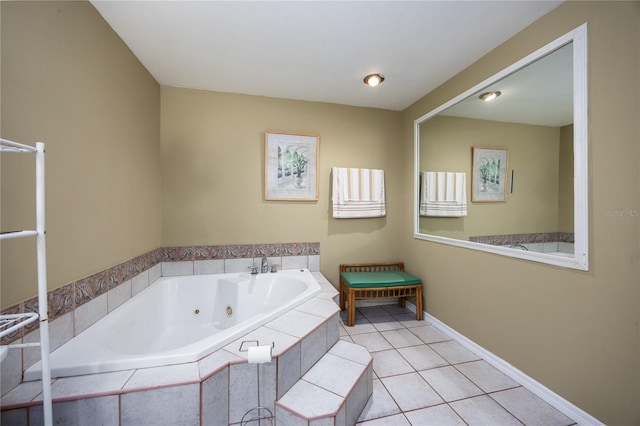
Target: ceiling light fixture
x=373, y=79
x=489, y=96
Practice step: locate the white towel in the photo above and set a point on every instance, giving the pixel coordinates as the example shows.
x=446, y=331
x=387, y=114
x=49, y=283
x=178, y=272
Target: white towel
x=358, y=193
x=443, y=194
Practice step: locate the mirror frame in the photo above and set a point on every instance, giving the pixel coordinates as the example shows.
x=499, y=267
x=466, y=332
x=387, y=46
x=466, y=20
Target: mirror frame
x=580, y=260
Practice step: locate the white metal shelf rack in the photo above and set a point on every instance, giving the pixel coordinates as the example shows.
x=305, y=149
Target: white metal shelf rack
x=11, y=323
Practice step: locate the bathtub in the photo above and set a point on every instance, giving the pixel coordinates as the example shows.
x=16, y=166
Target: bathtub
x=555, y=248
x=179, y=320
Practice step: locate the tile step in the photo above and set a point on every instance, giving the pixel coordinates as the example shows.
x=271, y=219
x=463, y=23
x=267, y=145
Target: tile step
x=333, y=392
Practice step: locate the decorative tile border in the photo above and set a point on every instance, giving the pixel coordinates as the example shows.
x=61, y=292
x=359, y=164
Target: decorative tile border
x=67, y=298
x=541, y=237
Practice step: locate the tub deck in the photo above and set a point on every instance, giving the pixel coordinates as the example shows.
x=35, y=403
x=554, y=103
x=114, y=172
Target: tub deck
x=193, y=391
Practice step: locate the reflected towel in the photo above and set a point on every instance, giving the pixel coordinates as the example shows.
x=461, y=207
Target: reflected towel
x=358, y=193
x=443, y=194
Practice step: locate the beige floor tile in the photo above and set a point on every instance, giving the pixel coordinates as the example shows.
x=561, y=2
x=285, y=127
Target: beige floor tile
x=422, y=357
x=437, y=415
x=374, y=342
x=397, y=420
x=454, y=352
x=482, y=410
x=360, y=327
x=450, y=383
x=485, y=376
x=411, y=391
x=429, y=334
x=401, y=338
x=390, y=363
x=448, y=369
x=530, y=409
x=385, y=323
x=409, y=320
x=380, y=404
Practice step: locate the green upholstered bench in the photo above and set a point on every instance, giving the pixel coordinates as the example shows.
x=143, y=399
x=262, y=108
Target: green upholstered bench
x=377, y=281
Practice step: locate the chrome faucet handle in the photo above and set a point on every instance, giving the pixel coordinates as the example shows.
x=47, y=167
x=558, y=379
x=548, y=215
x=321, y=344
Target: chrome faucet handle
x=274, y=267
x=264, y=265
x=253, y=269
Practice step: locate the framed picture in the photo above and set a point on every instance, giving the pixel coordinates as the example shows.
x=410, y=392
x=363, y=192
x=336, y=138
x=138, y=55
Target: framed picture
x=489, y=182
x=291, y=166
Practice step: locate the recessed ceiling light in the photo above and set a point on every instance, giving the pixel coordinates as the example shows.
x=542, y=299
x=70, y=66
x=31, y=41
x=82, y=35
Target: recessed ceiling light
x=489, y=96
x=373, y=79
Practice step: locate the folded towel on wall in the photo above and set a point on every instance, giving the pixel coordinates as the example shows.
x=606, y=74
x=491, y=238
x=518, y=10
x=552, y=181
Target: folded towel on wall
x=443, y=194
x=358, y=193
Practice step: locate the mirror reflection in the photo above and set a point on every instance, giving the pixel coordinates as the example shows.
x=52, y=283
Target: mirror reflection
x=499, y=174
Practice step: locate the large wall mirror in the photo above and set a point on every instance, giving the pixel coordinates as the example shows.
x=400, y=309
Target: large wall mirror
x=509, y=176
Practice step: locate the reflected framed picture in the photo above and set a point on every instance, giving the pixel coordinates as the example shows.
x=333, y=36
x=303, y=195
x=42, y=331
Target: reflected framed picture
x=291, y=166
x=489, y=181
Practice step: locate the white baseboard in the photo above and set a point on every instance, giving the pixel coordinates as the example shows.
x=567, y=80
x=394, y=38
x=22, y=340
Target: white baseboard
x=541, y=391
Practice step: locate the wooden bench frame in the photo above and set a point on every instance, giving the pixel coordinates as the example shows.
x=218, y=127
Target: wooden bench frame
x=351, y=294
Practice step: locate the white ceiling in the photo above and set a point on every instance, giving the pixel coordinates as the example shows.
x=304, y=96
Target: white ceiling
x=540, y=94
x=316, y=50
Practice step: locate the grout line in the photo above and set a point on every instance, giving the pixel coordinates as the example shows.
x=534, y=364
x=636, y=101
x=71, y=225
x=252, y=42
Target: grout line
x=546, y=395
x=449, y=364
x=556, y=401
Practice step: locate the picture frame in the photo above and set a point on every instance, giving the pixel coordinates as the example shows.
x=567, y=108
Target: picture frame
x=489, y=174
x=291, y=166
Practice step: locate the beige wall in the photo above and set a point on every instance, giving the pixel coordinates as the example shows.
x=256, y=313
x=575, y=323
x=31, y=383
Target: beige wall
x=447, y=145
x=575, y=332
x=213, y=174
x=73, y=84
x=68, y=80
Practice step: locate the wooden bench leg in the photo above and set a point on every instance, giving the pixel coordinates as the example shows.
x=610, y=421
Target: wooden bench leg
x=419, y=303
x=351, y=312
x=343, y=296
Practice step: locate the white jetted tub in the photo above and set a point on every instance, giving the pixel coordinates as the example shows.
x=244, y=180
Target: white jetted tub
x=180, y=319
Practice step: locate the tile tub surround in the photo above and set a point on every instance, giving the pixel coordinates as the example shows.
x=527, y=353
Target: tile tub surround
x=340, y=384
x=77, y=305
x=541, y=237
x=558, y=248
x=216, y=390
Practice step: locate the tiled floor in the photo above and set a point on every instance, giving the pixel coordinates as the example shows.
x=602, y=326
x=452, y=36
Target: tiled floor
x=423, y=377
